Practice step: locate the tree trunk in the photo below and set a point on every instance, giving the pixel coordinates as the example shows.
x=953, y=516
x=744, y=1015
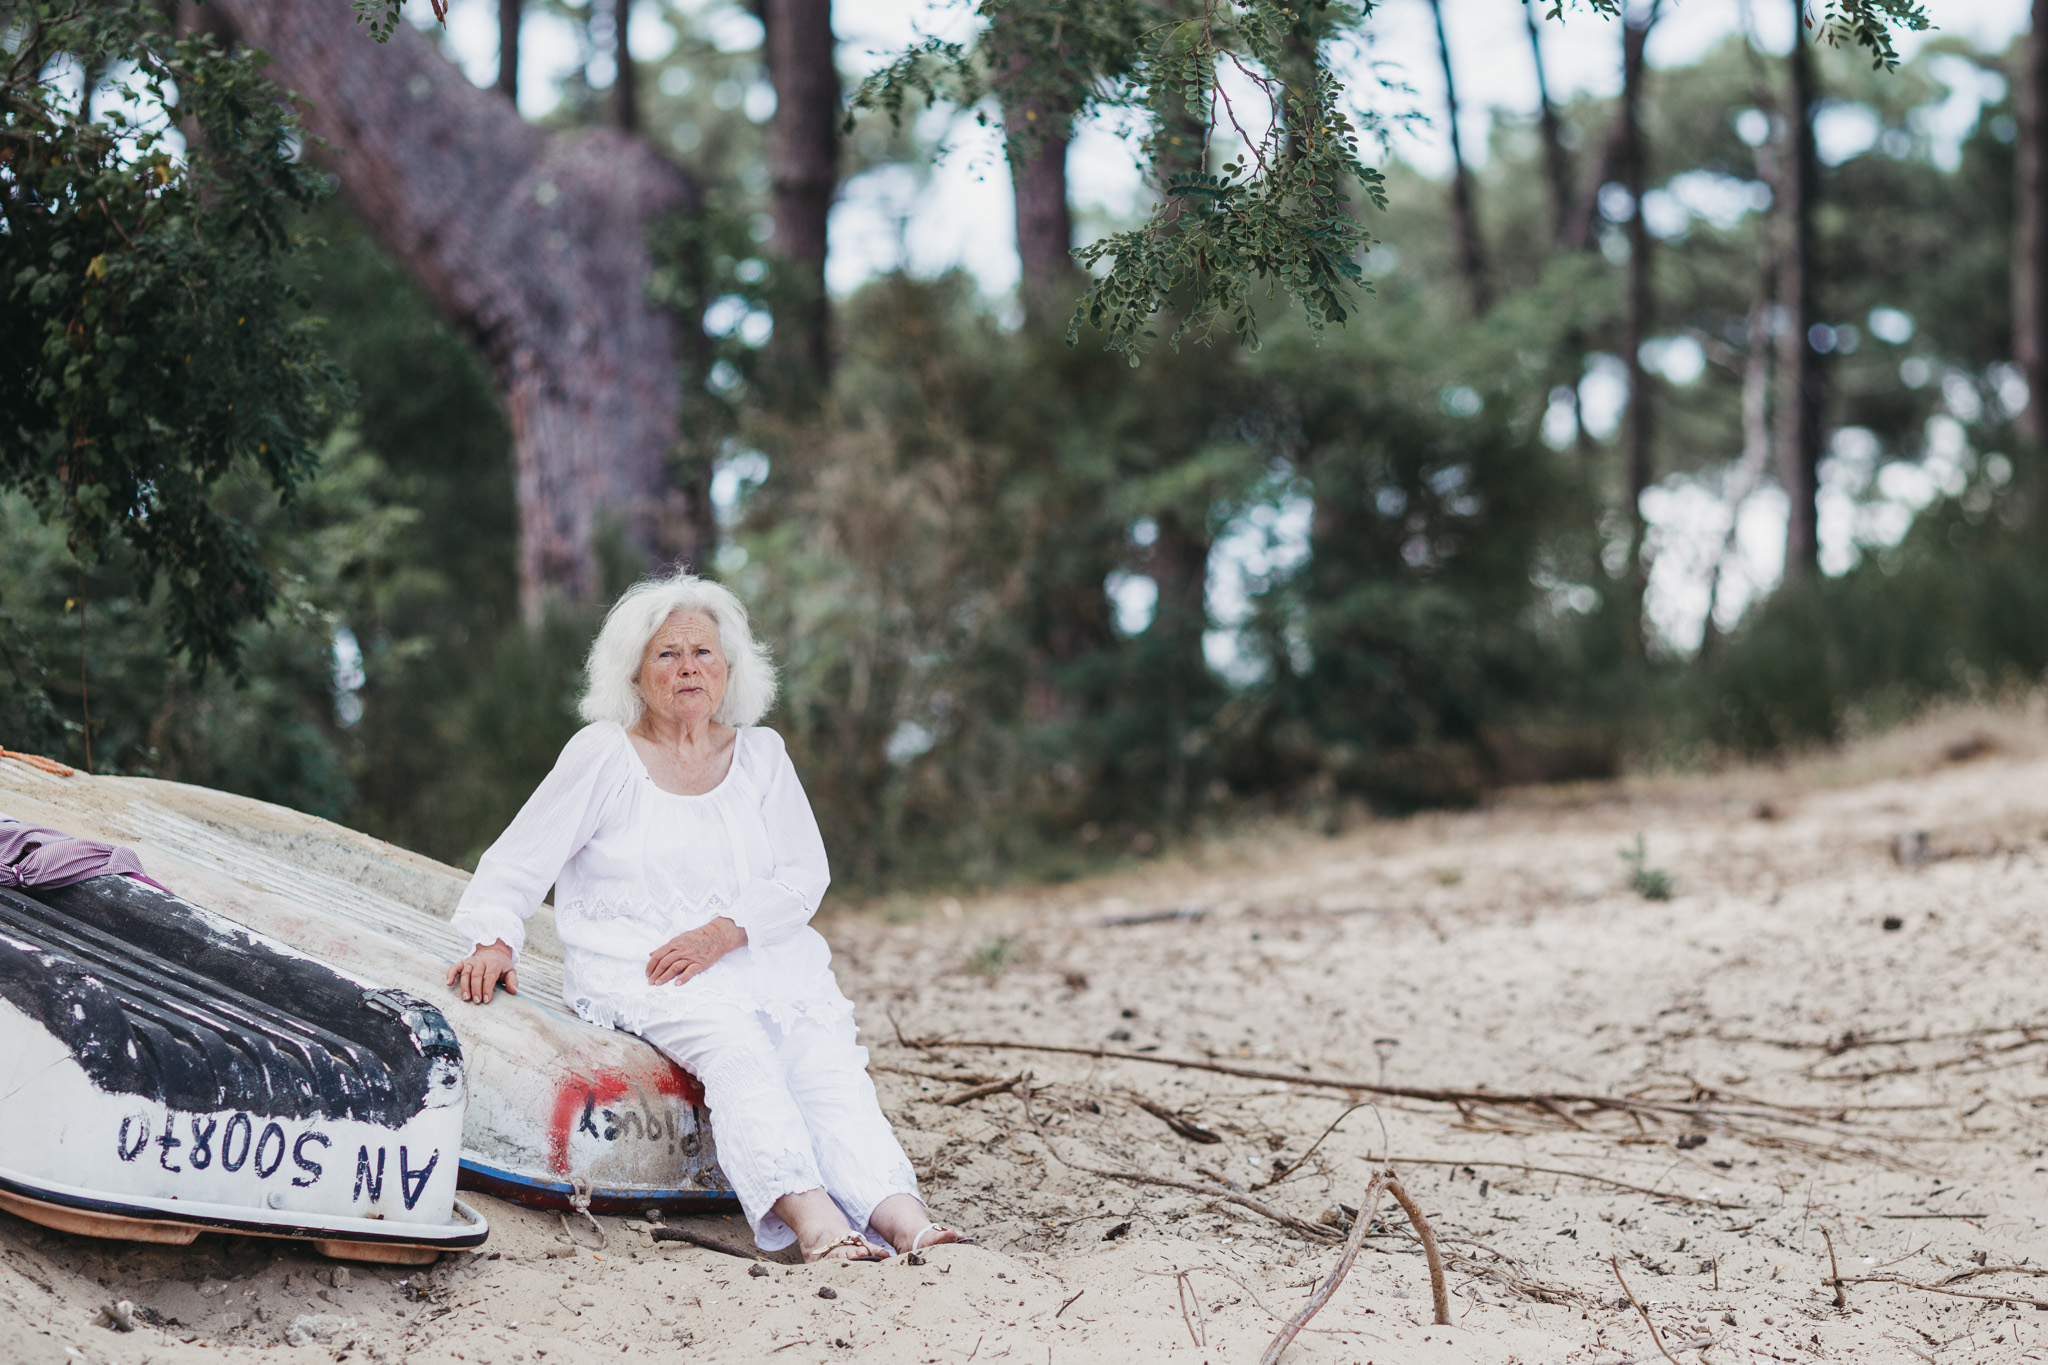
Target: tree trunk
x=510, y=13
x=534, y=245
x=1045, y=223
x=626, y=86
x=1301, y=60
x=1636, y=326
x=804, y=174
x=1557, y=162
x=1799, y=375
x=1471, y=258
x=1037, y=130
x=2030, y=241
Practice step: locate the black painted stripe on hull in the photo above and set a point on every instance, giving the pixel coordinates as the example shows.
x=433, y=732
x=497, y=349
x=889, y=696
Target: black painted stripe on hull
x=156, y=998
x=536, y=1192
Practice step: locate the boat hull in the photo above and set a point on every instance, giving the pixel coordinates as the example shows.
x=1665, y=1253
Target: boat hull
x=559, y=1111
x=166, y=1068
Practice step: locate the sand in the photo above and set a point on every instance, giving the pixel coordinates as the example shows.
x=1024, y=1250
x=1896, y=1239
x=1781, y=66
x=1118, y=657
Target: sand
x=1818, y=914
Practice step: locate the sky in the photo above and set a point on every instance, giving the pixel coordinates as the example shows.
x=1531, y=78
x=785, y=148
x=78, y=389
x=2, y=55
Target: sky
x=958, y=213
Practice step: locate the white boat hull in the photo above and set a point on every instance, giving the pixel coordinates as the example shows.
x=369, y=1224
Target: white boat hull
x=558, y=1111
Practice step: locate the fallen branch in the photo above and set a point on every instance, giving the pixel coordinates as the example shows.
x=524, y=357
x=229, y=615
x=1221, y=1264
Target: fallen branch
x=1952, y=1293
x=1368, y=1208
x=1439, y=1295
x=1285, y=1220
x=1539, y=1101
x=981, y=1092
x=1576, y=1175
x=1696, y=1344
x=699, y=1239
x=1193, y=1132
x=1296, y=1165
x=1834, y=1271
x=947, y=1077
x=1655, y=1340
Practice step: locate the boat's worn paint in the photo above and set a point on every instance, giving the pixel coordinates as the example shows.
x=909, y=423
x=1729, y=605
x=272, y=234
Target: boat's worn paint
x=158, y=1000
x=163, y=1068
x=558, y=1110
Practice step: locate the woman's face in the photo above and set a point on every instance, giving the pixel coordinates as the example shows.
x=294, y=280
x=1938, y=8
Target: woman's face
x=682, y=671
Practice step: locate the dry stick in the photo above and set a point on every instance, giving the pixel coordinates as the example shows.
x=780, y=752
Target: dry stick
x=1696, y=1344
x=1576, y=1175
x=1070, y=1302
x=981, y=1092
x=1368, y=1209
x=1285, y=1220
x=698, y=1239
x=949, y=1077
x=1181, y=1290
x=1290, y=1170
x=1937, y=1289
x=1834, y=1271
x=1765, y=1109
x=1187, y=1128
x=1655, y=1340
x=1438, y=1293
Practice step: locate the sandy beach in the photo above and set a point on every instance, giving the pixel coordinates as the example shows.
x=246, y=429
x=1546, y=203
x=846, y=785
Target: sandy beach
x=1827, y=1033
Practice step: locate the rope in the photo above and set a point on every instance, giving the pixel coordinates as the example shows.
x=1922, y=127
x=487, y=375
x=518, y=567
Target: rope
x=579, y=1200
x=48, y=765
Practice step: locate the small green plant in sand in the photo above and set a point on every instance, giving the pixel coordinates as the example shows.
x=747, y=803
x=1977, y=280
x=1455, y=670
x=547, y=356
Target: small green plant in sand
x=990, y=958
x=1651, y=883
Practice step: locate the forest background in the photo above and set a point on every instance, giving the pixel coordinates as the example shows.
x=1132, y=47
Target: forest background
x=1683, y=424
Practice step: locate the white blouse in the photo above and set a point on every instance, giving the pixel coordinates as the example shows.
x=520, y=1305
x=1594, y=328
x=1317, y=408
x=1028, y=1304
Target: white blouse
x=633, y=866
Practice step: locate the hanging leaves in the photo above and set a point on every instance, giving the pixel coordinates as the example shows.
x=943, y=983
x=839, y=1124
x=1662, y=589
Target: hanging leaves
x=153, y=343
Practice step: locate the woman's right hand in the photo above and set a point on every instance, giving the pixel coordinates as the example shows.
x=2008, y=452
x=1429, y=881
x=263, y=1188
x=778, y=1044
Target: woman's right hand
x=478, y=973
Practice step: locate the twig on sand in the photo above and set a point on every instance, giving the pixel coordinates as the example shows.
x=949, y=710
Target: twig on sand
x=1183, y=1290
x=1368, y=1208
x=1439, y=1295
x=1696, y=1344
x=925, y=1073
x=1070, y=1302
x=699, y=1239
x=1286, y=1220
x=1834, y=1271
x=1671, y=1195
x=1953, y=1293
x=1193, y=1132
x=1296, y=1164
x=1541, y=1102
x=1655, y=1340
x=982, y=1092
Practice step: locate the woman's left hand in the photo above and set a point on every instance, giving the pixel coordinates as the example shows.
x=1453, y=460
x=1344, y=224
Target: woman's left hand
x=689, y=954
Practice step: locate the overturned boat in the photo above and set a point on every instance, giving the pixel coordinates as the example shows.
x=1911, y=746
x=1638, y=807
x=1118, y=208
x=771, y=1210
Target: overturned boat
x=560, y=1114
x=168, y=1072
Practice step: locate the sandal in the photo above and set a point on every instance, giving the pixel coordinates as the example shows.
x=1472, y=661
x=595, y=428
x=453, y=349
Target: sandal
x=917, y=1243
x=851, y=1239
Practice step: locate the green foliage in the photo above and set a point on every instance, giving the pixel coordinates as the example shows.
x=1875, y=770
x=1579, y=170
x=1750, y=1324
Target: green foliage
x=1279, y=213
x=1287, y=222
x=1651, y=883
x=153, y=347
x=1868, y=24
x=992, y=957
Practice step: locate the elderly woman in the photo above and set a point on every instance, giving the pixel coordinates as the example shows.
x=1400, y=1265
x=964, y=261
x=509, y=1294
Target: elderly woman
x=686, y=866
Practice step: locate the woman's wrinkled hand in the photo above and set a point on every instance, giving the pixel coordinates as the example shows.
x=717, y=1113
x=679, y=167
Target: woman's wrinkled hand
x=478, y=973
x=688, y=955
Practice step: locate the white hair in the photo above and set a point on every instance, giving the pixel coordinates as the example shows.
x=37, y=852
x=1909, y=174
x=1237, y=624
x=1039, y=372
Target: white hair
x=615, y=655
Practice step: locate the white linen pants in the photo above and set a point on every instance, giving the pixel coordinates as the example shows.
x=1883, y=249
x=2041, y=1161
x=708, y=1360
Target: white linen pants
x=792, y=1109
